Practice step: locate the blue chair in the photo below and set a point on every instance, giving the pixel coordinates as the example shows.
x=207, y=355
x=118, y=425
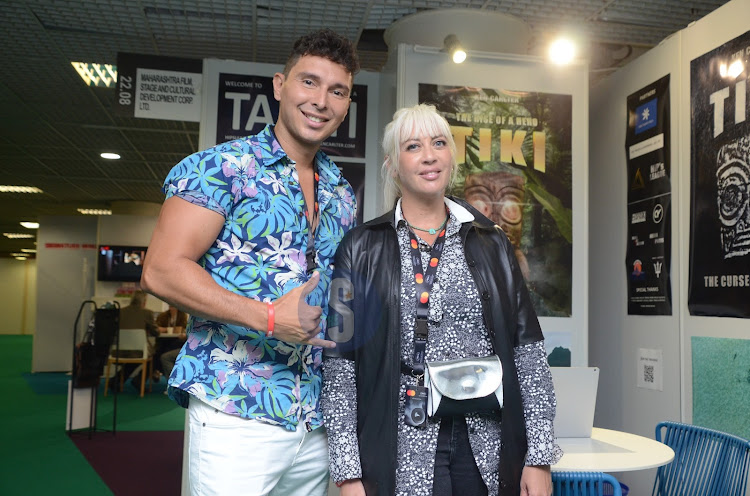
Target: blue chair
x=584, y=484
x=706, y=462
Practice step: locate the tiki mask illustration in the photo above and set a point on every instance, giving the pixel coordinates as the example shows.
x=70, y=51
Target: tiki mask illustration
x=499, y=196
x=733, y=196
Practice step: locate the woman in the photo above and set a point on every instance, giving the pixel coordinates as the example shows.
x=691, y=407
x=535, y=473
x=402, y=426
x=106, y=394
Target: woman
x=477, y=306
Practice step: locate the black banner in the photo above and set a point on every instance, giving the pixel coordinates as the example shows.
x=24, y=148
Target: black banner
x=246, y=104
x=719, y=280
x=647, y=260
x=349, y=138
x=355, y=175
x=156, y=87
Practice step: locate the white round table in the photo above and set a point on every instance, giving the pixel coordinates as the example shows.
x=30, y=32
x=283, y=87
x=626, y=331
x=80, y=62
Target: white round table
x=611, y=451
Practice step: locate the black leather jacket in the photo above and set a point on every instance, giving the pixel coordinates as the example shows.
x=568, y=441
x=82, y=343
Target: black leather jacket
x=364, y=320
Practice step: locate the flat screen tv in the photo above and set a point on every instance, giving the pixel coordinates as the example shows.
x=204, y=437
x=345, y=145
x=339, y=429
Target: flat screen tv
x=120, y=263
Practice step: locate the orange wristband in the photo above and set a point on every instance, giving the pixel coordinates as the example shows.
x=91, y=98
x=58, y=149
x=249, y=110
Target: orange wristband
x=271, y=315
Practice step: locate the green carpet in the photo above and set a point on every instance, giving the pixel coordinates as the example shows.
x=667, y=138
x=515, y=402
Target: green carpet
x=36, y=455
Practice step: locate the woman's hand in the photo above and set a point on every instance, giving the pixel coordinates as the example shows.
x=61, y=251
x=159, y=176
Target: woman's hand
x=536, y=480
x=352, y=487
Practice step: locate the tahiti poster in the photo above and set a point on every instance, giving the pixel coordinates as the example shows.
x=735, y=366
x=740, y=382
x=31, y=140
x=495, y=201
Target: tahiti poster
x=246, y=104
x=514, y=152
x=719, y=282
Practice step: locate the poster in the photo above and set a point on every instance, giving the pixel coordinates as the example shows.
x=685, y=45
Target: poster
x=719, y=280
x=514, y=153
x=246, y=104
x=647, y=259
x=155, y=87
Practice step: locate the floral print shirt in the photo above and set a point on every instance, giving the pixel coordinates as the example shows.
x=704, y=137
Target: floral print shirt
x=260, y=254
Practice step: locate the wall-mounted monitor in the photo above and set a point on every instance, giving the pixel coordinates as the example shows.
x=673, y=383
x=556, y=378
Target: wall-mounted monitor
x=120, y=263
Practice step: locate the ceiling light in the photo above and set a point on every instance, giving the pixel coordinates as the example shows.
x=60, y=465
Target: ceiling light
x=30, y=225
x=95, y=211
x=110, y=156
x=102, y=75
x=28, y=250
x=453, y=47
x=20, y=258
x=17, y=235
x=26, y=255
x=19, y=189
x=562, y=51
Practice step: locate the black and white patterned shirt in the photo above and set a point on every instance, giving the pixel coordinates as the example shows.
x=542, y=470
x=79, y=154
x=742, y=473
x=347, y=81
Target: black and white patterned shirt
x=456, y=330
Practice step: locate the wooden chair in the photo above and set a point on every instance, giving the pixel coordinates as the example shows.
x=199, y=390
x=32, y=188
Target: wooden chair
x=133, y=348
x=706, y=462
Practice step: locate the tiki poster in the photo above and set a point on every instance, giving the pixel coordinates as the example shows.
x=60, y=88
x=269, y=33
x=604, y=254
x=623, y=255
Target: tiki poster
x=514, y=153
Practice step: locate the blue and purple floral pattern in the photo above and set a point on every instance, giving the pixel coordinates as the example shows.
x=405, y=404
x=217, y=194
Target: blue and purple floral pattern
x=260, y=254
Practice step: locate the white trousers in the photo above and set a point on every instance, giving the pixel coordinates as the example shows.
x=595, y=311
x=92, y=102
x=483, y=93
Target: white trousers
x=231, y=455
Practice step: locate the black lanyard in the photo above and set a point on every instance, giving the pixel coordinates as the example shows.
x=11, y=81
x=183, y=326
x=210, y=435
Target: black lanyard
x=423, y=281
x=311, y=227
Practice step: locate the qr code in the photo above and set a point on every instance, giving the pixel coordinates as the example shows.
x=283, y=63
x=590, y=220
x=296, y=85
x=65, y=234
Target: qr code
x=648, y=373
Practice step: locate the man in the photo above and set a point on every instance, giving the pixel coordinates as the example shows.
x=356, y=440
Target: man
x=171, y=320
x=244, y=243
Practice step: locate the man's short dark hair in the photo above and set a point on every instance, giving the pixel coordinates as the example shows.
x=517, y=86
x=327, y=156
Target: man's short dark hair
x=327, y=44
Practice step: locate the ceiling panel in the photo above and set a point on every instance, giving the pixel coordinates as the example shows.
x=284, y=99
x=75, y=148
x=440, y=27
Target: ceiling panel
x=54, y=127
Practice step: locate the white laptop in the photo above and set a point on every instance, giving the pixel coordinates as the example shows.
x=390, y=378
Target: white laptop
x=575, y=390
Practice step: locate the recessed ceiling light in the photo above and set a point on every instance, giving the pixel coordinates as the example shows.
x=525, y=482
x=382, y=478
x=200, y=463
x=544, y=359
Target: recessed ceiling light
x=17, y=235
x=28, y=250
x=21, y=258
x=30, y=225
x=110, y=156
x=20, y=189
x=102, y=75
x=95, y=211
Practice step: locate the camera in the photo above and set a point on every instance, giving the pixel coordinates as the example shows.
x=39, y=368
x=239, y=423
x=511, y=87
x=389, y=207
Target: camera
x=415, y=409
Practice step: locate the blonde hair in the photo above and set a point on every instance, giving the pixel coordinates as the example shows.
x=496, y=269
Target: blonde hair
x=411, y=122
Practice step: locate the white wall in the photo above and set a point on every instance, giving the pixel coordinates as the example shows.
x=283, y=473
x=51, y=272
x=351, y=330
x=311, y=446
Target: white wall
x=66, y=276
x=66, y=249
x=614, y=336
x=17, y=296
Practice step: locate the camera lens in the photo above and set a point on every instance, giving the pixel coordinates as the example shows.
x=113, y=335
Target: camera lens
x=417, y=415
